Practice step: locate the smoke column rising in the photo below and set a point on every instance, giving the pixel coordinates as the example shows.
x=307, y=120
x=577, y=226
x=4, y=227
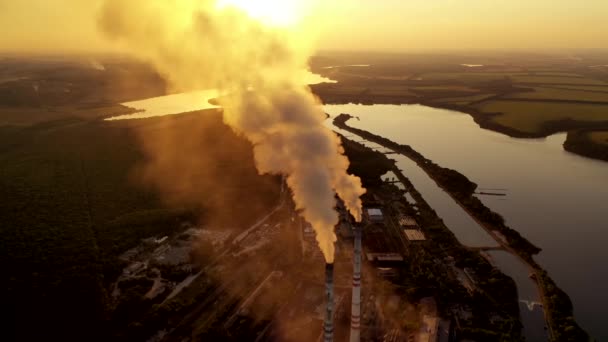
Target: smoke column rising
x=200, y=45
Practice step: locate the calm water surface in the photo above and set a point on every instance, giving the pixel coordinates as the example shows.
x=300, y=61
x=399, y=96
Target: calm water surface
x=532, y=314
x=557, y=200
x=470, y=233
x=190, y=101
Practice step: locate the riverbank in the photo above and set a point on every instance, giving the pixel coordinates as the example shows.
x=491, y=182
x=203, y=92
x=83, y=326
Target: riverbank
x=559, y=308
x=589, y=143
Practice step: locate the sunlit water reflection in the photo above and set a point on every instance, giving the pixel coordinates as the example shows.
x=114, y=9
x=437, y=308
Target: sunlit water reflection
x=556, y=199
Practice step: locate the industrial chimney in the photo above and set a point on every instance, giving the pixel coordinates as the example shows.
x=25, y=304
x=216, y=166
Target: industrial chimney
x=355, y=311
x=328, y=326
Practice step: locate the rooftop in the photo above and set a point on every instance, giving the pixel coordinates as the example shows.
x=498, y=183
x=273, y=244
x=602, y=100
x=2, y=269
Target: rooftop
x=414, y=235
x=384, y=257
x=374, y=212
x=407, y=221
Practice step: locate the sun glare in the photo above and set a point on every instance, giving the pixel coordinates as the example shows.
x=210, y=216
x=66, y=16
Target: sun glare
x=270, y=12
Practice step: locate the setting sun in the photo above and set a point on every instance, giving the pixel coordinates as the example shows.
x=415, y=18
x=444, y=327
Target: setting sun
x=270, y=12
x=304, y=170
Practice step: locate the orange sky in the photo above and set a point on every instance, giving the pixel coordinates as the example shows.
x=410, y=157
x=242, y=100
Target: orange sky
x=59, y=25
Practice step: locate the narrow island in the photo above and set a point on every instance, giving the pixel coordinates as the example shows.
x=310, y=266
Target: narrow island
x=558, y=307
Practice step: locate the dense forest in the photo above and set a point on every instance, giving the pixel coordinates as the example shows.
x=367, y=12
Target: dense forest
x=76, y=194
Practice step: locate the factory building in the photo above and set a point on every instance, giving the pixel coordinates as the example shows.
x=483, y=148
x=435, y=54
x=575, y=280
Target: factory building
x=414, y=235
x=385, y=259
x=407, y=222
x=375, y=215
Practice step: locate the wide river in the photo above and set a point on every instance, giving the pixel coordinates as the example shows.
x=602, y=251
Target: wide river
x=470, y=233
x=557, y=200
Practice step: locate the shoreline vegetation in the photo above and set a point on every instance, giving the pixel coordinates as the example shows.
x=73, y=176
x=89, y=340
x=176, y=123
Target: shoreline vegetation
x=589, y=143
x=559, y=310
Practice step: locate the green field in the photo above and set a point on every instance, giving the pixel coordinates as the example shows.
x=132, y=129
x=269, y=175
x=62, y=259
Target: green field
x=555, y=80
x=529, y=117
x=543, y=93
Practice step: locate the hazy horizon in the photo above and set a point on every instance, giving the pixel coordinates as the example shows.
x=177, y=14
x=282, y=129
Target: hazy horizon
x=69, y=26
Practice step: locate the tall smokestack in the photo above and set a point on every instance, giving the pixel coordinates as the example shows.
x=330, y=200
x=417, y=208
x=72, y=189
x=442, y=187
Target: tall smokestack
x=328, y=326
x=355, y=318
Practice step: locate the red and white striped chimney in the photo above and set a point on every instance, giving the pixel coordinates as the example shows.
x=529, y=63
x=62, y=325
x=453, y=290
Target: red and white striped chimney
x=328, y=326
x=355, y=318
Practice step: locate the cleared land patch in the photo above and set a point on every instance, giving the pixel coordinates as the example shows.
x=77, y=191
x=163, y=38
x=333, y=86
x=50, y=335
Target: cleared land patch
x=529, y=117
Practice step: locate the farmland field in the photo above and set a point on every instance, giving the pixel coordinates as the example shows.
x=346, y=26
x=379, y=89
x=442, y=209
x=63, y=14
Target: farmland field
x=542, y=93
x=555, y=80
x=529, y=117
x=391, y=91
x=464, y=100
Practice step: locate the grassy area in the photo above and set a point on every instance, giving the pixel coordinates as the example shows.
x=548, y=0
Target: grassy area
x=555, y=80
x=531, y=117
x=543, y=93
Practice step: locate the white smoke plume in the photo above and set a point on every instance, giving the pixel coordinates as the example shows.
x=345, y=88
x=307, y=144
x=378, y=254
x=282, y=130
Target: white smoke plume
x=199, y=44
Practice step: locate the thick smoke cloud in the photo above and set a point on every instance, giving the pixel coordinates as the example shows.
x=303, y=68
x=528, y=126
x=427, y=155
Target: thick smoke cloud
x=195, y=44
